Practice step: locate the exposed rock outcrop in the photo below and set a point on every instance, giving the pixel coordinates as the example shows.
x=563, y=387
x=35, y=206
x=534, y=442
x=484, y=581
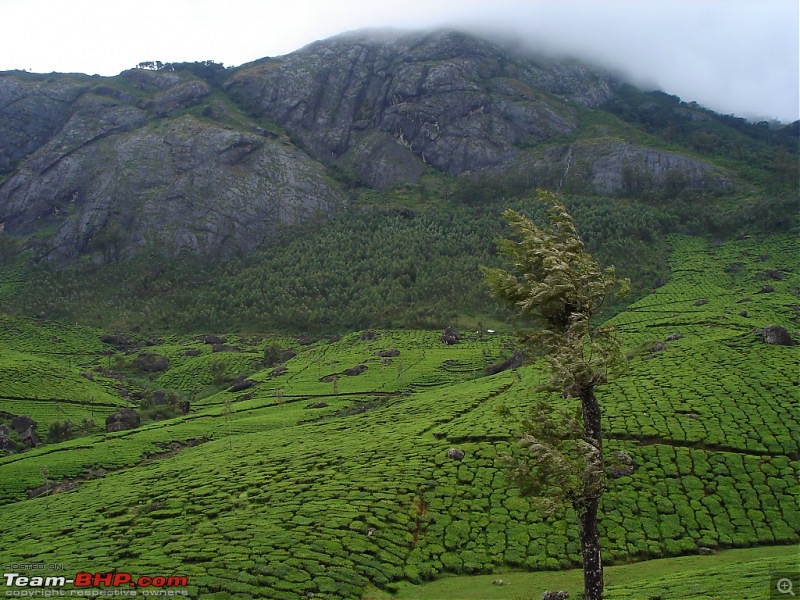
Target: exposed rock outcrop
x=111, y=185
x=777, y=336
x=123, y=419
x=26, y=428
x=392, y=106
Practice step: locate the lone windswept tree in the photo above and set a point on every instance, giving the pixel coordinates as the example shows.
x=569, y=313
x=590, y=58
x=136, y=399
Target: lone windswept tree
x=557, y=286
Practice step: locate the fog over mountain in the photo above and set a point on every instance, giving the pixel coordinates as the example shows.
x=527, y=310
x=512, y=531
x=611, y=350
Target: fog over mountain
x=738, y=56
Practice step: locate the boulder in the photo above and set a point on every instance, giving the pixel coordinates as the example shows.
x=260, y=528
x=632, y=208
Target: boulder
x=25, y=427
x=777, y=336
x=120, y=341
x=22, y=423
x=450, y=336
x=622, y=464
x=150, y=363
x=5, y=441
x=224, y=348
x=241, y=383
x=514, y=361
x=287, y=354
x=555, y=595
x=771, y=274
x=388, y=353
x=122, y=420
x=455, y=454
x=278, y=371
x=30, y=437
x=212, y=339
x=357, y=370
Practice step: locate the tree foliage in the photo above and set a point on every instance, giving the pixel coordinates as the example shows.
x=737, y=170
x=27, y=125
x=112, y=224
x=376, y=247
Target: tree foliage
x=563, y=464
x=554, y=283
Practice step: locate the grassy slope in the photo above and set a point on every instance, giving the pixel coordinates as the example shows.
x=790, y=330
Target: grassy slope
x=741, y=573
x=278, y=503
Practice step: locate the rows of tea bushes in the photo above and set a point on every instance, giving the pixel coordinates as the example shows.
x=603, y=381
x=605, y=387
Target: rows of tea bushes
x=47, y=372
x=273, y=401
x=313, y=481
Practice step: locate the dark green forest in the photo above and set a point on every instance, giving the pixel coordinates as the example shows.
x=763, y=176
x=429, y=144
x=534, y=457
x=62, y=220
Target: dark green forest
x=407, y=258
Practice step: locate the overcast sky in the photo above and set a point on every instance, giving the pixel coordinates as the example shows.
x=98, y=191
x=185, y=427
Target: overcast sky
x=733, y=56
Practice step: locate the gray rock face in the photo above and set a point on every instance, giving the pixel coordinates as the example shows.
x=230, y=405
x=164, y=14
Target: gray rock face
x=108, y=182
x=390, y=107
x=446, y=100
x=31, y=110
x=611, y=166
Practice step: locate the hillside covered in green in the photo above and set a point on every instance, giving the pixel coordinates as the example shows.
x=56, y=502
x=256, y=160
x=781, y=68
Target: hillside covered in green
x=331, y=472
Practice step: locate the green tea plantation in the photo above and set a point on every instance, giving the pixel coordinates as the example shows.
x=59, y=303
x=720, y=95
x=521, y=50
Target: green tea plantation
x=323, y=467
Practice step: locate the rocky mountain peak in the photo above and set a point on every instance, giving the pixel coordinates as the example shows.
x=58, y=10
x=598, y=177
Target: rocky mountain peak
x=389, y=107
x=210, y=160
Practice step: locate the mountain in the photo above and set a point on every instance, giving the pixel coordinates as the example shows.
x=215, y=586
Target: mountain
x=194, y=157
x=458, y=104
x=357, y=182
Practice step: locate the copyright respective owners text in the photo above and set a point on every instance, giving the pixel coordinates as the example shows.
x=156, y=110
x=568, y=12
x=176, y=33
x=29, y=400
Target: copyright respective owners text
x=785, y=585
x=53, y=580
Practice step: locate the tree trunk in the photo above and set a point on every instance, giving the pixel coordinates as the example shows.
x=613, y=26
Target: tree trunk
x=587, y=506
x=590, y=548
x=591, y=415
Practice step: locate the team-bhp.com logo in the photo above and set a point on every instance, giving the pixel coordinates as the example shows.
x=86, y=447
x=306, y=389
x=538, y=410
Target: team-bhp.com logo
x=83, y=580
